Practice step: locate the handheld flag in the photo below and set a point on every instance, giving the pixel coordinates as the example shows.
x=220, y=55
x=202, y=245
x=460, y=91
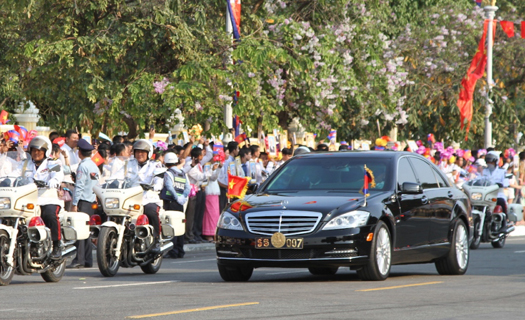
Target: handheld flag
x=237, y=186
x=97, y=159
x=3, y=117
x=234, y=11
x=368, y=181
x=22, y=131
x=218, y=153
x=241, y=138
x=237, y=125
x=60, y=141
x=332, y=135
x=12, y=135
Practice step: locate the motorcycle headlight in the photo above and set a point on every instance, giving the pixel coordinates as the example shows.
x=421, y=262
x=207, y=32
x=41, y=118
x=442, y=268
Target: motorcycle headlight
x=112, y=203
x=353, y=219
x=228, y=221
x=5, y=203
x=476, y=196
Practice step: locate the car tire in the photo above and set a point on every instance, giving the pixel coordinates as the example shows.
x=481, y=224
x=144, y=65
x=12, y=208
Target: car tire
x=380, y=259
x=323, y=271
x=457, y=260
x=499, y=244
x=235, y=274
x=477, y=236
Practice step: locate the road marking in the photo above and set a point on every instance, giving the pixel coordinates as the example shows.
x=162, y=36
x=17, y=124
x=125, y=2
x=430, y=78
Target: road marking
x=125, y=285
x=403, y=286
x=192, y=310
x=194, y=261
x=522, y=251
x=286, y=272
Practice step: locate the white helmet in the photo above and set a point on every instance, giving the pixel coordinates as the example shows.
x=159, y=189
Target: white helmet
x=171, y=158
x=301, y=150
x=41, y=143
x=144, y=145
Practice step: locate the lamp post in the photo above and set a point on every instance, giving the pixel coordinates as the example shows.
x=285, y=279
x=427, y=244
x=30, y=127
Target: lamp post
x=228, y=111
x=490, y=12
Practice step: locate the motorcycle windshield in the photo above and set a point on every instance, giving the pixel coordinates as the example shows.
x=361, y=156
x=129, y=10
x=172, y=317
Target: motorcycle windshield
x=480, y=182
x=14, y=182
x=118, y=184
x=124, y=169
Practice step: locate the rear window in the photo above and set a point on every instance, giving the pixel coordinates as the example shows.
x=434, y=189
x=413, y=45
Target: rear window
x=332, y=173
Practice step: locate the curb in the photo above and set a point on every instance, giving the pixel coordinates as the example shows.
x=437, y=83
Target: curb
x=199, y=247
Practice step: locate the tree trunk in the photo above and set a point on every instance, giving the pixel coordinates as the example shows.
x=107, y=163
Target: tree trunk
x=133, y=128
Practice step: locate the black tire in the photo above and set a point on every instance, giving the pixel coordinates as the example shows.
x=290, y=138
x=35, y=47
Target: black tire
x=237, y=274
x=476, y=241
x=153, y=266
x=6, y=272
x=500, y=243
x=55, y=274
x=380, y=259
x=323, y=271
x=108, y=264
x=457, y=260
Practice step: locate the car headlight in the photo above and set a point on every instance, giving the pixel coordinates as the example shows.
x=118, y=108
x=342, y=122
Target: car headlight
x=228, y=221
x=112, y=203
x=5, y=203
x=353, y=219
x=476, y=196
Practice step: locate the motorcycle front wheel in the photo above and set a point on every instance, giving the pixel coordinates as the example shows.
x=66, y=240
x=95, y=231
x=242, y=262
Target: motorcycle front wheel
x=6, y=272
x=108, y=264
x=55, y=274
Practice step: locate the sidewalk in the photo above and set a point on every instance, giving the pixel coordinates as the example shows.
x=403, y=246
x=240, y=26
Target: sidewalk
x=520, y=231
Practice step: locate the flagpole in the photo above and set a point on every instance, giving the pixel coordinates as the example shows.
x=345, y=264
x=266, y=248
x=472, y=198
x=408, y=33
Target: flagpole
x=490, y=11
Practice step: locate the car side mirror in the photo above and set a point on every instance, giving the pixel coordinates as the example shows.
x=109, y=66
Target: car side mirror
x=411, y=188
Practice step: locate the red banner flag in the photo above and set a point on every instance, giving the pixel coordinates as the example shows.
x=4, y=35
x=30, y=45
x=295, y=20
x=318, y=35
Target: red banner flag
x=475, y=72
x=237, y=186
x=523, y=29
x=3, y=117
x=508, y=27
x=97, y=159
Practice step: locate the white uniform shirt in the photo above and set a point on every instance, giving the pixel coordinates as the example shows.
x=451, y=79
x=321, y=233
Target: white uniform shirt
x=43, y=173
x=73, y=155
x=497, y=176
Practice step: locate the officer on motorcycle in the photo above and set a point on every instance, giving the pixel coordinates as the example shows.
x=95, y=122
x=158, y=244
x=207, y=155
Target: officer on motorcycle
x=497, y=176
x=41, y=167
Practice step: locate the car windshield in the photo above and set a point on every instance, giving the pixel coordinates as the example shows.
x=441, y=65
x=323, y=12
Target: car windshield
x=330, y=174
x=14, y=182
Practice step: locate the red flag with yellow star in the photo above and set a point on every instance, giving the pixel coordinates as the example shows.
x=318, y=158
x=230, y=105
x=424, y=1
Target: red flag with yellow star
x=3, y=117
x=237, y=186
x=97, y=159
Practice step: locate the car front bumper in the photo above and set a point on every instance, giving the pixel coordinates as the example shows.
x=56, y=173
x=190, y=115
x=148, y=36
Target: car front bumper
x=344, y=247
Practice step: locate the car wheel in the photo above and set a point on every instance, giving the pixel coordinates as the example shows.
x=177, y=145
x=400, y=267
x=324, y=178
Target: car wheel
x=499, y=244
x=477, y=236
x=237, y=274
x=456, y=261
x=323, y=271
x=378, y=267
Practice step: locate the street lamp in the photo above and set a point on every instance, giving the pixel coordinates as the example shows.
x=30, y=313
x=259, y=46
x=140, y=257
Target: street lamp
x=490, y=11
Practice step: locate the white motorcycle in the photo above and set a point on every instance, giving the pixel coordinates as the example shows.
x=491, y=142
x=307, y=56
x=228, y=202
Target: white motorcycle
x=488, y=217
x=25, y=241
x=126, y=238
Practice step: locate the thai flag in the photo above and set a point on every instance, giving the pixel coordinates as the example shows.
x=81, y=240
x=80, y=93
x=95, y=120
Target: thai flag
x=22, y=131
x=234, y=10
x=237, y=126
x=332, y=134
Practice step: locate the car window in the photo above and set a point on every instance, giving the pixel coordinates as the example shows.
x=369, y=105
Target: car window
x=332, y=173
x=405, y=172
x=442, y=182
x=425, y=173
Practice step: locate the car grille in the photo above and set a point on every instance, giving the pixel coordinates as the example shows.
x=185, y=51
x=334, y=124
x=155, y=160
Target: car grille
x=287, y=222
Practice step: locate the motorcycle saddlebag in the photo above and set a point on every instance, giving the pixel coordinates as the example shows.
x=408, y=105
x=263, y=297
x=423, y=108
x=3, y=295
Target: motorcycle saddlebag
x=515, y=212
x=79, y=221
x=173, y=223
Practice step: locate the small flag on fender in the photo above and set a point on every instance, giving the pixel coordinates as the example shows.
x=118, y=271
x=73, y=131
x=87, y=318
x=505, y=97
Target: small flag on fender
x=368, y=181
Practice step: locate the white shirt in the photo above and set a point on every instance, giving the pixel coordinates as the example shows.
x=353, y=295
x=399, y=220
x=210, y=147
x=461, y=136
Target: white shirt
x=73, y=155
x=497, y=176
x=43, y=173
x=207, y=158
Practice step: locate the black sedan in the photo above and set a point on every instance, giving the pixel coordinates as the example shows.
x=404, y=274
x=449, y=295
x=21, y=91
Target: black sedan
x=311, y=213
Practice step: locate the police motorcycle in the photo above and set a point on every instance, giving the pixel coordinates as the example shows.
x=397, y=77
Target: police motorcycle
x=126, y=238
x=488, y=216
x=25, y=241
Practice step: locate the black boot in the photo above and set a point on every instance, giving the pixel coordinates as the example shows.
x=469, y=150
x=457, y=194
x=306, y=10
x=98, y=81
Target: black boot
x=56, y=254
x=156, y=247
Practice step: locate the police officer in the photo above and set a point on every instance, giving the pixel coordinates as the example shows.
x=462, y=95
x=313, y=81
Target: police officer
x=497, y=176
x=175, y=194
x=42, y=168
x=84, y=199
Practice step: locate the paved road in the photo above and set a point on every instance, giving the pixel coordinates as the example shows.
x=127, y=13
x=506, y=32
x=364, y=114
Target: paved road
x=191, y=288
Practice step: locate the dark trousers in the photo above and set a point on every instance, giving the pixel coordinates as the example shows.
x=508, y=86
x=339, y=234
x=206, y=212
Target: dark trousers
x=84, y=248
x=178, y=242
x=190, y=215
x=223, y=199
x=49, y=214
x=200, y=206
x=151, y=210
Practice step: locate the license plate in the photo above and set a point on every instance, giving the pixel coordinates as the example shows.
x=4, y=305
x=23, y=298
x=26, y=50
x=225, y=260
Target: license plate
x=266, y=243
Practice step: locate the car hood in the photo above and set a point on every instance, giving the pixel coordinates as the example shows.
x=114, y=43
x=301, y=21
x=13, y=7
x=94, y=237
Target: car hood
x=324, y=203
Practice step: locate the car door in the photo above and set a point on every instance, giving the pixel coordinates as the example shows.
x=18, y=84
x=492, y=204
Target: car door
x=412, y=224
x=442, y=213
